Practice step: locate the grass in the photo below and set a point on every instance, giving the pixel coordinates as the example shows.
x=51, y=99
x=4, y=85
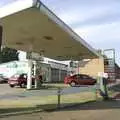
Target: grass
x=47, y=102
x=44, y=103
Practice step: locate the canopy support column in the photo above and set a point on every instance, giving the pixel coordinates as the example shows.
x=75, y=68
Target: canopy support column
x=1, y=31
x=29, y=78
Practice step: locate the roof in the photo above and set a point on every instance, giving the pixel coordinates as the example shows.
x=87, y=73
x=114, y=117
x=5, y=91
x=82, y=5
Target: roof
x=31, y=26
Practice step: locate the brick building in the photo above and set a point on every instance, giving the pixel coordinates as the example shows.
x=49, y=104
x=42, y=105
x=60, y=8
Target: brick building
x=93, y=67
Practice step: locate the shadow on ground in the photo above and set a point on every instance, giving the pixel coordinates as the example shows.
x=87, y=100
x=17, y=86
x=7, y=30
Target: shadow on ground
x=115, y=88
x=99, y=105
x=92, y=105
x=22, y=109
x=44, y=87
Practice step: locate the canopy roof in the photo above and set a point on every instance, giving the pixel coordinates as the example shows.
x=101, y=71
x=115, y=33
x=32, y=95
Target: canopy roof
x=30, y=26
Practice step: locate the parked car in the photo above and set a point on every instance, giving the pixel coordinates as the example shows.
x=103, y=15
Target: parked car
x=19, y=80
x=3, y=79
x=79, y=79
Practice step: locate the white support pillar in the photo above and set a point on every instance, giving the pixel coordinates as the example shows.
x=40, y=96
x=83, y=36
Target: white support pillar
x=35, y=67
x=34, y=73
x=29, y=78
x=101, y=84
x=78, y=68
x=100, y=80
x=1, y=33
x=49, y=78
x=60, y=75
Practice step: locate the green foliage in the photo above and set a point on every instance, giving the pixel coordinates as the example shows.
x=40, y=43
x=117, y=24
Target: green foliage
x=8, y=54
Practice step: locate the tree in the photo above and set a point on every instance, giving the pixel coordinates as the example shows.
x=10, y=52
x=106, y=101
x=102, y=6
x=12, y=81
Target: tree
x=8, y=54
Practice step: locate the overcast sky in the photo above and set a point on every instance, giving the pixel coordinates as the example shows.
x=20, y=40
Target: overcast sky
x=96, y=21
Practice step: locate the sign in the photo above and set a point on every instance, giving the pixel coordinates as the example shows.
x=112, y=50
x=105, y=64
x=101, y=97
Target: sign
x=58, y=65
x=102, y=74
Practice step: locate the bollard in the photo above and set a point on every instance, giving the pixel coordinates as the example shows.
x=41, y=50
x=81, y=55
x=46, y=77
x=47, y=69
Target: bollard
x=59, y=97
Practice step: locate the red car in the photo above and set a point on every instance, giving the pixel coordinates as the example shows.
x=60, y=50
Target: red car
x=19, y=80
x=79, y=79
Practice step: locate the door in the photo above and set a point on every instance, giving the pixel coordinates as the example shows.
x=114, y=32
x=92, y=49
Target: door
x=78, y=79
x=54, y=75
x=85, y=80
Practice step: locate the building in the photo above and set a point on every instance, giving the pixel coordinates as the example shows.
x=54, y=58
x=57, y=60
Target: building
x=117, y=72
x=58, y=71
x=51, y=71
x=14, y=67
x=93, y=67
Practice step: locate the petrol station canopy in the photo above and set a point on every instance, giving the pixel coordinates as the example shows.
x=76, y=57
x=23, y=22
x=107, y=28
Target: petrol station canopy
x=29, y=25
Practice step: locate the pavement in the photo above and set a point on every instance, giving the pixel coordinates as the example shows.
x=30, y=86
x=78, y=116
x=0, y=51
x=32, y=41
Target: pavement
x=7, y=92
x=101, y=110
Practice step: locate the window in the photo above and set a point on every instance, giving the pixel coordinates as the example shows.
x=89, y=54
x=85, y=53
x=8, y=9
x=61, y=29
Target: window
x=85, y=77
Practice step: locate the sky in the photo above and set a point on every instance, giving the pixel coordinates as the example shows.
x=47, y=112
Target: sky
x=96, y=21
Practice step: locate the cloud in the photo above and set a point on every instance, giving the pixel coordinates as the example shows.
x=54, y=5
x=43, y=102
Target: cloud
x=104, y=16
x=102, y=36
x=5, y=2
x=96, y=21
x=85, y=12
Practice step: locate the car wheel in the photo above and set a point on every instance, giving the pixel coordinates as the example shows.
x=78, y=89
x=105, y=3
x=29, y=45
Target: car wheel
x=72, y=84
x=12, y=86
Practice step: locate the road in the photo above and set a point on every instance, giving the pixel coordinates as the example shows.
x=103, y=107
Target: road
x=7, y=92
x=14, y=93
x=5, y=89
x=92, y=111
